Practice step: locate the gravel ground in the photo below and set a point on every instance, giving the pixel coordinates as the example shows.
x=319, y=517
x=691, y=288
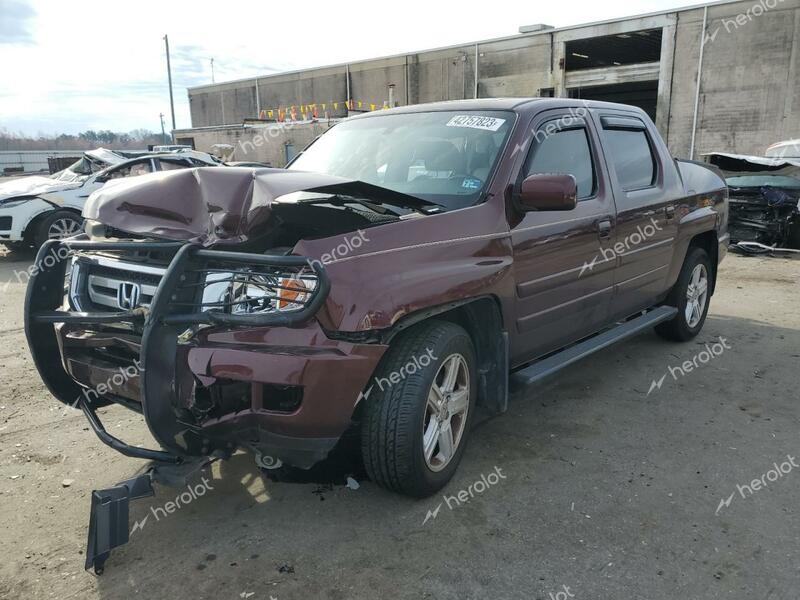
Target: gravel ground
x=605, y=491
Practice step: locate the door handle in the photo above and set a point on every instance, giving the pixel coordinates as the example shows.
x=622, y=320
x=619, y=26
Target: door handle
x=604, y=228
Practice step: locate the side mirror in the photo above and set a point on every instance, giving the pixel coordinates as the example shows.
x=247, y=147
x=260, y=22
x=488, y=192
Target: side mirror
x=548, y=192
x=102, y=178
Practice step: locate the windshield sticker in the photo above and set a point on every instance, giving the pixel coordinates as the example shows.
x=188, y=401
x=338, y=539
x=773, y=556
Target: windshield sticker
x=476, y=122
x=471, y=184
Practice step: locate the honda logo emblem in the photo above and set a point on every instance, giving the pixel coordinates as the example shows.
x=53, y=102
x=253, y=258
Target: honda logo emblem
x=128, y=295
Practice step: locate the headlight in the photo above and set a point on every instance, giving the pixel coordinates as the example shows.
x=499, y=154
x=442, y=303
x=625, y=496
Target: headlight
x=14, y=202
x=247, y=292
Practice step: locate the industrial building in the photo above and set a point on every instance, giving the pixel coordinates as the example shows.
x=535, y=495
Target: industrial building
x=721, y=76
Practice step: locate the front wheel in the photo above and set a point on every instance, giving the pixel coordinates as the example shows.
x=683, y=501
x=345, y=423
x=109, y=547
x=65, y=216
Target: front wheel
x=419, y=409
x=58, y=225
x=691, y=296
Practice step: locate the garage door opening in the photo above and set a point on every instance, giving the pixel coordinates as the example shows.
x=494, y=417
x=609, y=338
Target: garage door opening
x=614, y=50
x=643, y=94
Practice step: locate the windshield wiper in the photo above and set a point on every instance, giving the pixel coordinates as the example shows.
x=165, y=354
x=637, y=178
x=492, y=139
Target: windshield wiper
x=379, y=195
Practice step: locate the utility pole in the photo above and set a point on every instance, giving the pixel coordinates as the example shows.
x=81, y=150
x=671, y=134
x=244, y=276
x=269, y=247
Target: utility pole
x=212, y=70
x=169, y=76
x=163, y=134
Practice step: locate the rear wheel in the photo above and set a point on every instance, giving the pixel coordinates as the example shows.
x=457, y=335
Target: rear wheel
x=57, y=226
x=691, y=296
x=417, y=417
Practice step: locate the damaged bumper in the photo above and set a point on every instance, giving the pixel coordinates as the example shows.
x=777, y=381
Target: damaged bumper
x=206, y=382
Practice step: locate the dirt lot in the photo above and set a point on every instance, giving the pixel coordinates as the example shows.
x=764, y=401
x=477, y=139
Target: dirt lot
x=606, y=491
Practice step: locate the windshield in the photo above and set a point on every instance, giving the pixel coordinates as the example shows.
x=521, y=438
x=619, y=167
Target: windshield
x=80, y=169
x=756, y=181
x=442, y=157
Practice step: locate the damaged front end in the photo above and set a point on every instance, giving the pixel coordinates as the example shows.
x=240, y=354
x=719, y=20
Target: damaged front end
x=218, y=346
x=764, y=201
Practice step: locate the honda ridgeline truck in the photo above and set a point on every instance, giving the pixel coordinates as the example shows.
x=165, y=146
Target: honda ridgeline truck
x=386, y=283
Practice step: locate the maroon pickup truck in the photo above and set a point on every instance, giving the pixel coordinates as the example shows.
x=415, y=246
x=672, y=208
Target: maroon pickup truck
x=384, y=285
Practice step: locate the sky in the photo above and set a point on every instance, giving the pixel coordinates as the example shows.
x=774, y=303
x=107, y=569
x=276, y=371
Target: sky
x=68, y=66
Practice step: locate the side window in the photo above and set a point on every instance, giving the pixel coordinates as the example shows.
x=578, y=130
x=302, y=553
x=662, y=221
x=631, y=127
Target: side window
x=139, y=168
x=169, y=164
x=630, y=152
x=566, y=151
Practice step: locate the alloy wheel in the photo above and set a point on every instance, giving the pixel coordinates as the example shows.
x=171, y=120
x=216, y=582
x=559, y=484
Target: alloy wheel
x=63, y=228
x=696, y=296
x=446, y=412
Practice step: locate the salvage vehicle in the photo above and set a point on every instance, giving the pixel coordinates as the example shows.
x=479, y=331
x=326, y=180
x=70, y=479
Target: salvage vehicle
x=785, y=149
x=385, y=285
x=764, y=198
x=36, y=209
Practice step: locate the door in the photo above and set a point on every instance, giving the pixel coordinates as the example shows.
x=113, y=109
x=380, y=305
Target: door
x=645, y=192
x=564, y=283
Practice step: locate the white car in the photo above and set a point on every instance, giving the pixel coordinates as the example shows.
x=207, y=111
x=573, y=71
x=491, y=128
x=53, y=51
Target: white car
x=35, y=209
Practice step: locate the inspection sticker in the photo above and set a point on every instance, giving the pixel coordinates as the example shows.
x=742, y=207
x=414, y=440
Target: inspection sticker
x=476, y=122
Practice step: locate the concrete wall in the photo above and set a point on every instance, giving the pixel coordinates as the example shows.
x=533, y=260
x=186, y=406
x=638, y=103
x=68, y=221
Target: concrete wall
x=260, y=143
x=749, y=89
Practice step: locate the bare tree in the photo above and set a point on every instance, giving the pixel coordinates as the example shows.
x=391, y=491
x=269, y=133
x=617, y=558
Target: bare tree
x=138, y=139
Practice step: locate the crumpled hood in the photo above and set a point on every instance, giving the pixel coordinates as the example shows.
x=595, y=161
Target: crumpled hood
x=733, y=164
x=34, y=186
x=213, y=204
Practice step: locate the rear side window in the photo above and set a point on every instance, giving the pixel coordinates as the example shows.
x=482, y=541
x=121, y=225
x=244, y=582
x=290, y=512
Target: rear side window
x=565, y=152
x=171, y=165
x=632, y=157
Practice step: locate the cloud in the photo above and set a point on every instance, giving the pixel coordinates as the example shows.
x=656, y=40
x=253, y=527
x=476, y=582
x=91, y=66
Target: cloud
x=16, y=22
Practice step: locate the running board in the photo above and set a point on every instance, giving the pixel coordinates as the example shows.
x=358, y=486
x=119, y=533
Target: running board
x=572, y=354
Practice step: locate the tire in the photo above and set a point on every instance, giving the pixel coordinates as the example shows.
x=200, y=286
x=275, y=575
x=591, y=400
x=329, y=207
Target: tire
x=685, y=326
x=397, y=418
x=66, y=221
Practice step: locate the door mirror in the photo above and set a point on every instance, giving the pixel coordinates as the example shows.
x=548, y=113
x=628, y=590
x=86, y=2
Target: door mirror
x=102, y=178
x=548, y=192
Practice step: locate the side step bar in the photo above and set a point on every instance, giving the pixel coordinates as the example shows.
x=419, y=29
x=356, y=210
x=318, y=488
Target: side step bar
x=572, y=354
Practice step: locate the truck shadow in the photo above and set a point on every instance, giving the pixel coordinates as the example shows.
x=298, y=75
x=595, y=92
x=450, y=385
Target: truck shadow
x=247, y=534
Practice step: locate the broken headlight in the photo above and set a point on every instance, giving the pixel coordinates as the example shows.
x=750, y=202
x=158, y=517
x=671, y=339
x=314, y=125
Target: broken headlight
x=248, y=292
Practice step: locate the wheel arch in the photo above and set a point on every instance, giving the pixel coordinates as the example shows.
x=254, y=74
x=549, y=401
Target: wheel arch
x=708, y=242
x=29, y=232
x=482, y=319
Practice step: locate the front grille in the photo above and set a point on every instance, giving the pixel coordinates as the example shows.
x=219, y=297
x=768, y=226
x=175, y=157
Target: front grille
x=5, y=223
x=103, y=284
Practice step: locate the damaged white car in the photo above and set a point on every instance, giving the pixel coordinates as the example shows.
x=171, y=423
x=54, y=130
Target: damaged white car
x=764, y=198
x=35, y=209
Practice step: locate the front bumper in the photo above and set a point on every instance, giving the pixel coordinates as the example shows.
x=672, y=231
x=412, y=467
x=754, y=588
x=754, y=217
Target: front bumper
x=15, y=220
x=166, y=367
